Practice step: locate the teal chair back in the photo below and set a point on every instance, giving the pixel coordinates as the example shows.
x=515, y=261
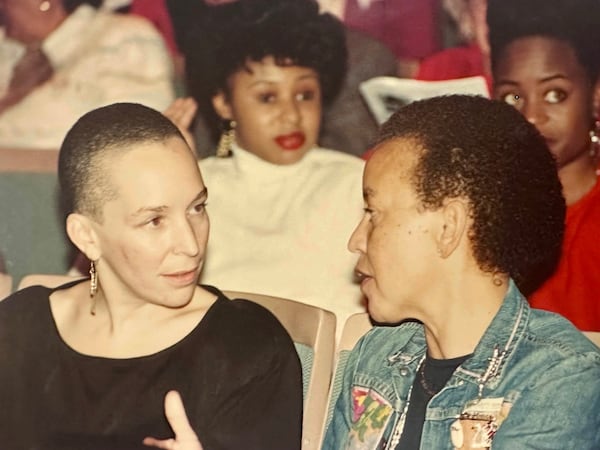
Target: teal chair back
x=32, y=237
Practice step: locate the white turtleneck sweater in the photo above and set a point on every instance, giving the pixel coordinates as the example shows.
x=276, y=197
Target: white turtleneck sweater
x=282, y=230
x=98, y=58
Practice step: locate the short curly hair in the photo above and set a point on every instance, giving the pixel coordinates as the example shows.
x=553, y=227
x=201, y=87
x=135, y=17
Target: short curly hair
x=575, y=22
x=294, y=32
x=97, y=135
x=486, y=152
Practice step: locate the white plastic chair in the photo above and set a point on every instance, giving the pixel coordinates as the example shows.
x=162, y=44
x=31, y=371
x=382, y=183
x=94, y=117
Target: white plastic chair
x=313, y=331
x=356, y=326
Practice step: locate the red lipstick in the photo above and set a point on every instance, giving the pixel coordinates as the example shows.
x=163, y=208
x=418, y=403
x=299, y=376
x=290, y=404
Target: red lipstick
x=292, y=141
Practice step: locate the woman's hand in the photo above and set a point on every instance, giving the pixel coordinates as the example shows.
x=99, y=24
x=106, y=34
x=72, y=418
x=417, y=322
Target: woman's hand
x=182, y=112
x=185, y=437
x=32, y=70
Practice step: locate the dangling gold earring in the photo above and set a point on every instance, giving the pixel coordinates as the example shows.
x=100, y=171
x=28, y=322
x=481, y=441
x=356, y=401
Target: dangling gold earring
x=93, y=287
x=44, y=6
x=226, y=140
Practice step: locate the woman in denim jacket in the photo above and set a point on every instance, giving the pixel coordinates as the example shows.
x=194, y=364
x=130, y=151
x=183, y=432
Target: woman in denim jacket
x=463, y=212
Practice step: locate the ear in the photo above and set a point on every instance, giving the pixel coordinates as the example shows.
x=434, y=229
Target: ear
x=80, y=230
x=222, y=106
x=455, y=215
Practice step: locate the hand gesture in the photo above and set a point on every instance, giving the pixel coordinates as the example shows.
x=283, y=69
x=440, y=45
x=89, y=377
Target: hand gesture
x=185, y=437
x=32, y=70
x=182, y=112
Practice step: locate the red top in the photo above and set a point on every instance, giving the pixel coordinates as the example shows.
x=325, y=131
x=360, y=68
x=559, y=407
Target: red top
x=408, y=27
x=574, y=289
x=156, y=12
x=452, y=63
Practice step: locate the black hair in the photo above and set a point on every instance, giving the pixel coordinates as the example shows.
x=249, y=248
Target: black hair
x=97, y=135
x=574, y=22
x=292, y=31
x=486, y=152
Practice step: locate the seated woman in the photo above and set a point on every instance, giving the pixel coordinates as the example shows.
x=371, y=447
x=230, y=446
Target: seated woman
x=472, y=57
x=546, y=63
x=459, y=218
x=63, y=58
x=281, y=205
x=87, y=365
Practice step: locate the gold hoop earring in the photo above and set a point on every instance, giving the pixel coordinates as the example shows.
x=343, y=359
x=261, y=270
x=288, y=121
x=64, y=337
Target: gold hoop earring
x=45, y=6
x=227, y=139
x=93, y=287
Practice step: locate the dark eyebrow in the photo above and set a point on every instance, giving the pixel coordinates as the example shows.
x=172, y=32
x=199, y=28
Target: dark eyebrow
x=149, y=209
x=259, y=82
x=162, y=208
x=558, y=76
x=308, y=76
x=543, y=80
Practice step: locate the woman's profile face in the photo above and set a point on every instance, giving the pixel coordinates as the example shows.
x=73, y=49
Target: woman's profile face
x=277, y=110
x=542, y=78
x=396, y=239
x=154, y=229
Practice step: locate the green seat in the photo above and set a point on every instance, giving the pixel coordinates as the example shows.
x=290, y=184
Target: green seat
x=32, y=237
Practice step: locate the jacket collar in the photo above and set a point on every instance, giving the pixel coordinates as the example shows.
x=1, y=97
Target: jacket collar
x=486, y=365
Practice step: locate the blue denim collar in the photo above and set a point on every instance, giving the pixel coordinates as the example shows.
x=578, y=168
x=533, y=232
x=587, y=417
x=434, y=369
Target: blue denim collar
x=494, y=348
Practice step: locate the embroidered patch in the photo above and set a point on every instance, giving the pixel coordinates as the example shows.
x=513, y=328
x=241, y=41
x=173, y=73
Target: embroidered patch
x=478, y=423
x=370, y=415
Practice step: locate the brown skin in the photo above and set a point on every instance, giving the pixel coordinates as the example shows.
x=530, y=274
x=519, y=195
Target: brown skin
x=269, y=102
x=417, y=263
x=25, y=22
x=542, y=78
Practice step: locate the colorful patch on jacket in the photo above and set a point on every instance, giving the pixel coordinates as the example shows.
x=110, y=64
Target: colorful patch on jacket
x=477, y=425
x=370, y=416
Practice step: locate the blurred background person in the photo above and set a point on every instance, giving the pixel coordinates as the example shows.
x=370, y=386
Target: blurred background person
x=546, y=63
x=472, y=56
x=409, y=28
x=62, y=58
x=281, y=204
x=347, y=124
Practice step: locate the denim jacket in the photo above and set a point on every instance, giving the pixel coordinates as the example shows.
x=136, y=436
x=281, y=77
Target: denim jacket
x=533, y=381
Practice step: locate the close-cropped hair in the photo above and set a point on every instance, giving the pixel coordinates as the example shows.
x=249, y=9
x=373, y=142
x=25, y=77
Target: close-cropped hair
x=97, y=136
x=485, y=152
x=574, y=22
x=294, y=32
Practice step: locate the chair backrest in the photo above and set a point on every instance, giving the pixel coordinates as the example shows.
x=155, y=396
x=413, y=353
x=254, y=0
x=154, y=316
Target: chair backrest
x=32, y=237
x=5, y=285
x=593, y=336
x=313, y=331
x=355, y=327
x=43, y=279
